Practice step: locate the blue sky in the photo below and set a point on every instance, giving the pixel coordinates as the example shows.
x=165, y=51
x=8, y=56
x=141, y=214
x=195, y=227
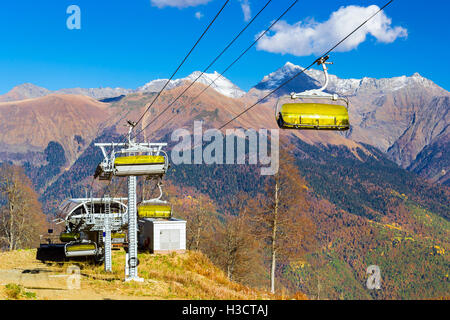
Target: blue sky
x=128, y=43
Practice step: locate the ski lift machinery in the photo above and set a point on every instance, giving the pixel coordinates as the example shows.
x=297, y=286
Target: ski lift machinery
x=292, y=112
x=85, y=218
x=130, y=160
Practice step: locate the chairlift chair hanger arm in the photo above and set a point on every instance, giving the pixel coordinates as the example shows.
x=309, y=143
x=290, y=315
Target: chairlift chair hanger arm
x=319, y=93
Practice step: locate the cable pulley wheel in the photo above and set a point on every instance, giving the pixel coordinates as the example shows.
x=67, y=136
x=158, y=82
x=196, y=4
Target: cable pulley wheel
x=133, y=259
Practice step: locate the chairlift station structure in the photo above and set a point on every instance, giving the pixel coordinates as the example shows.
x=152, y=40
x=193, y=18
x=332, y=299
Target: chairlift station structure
x=136, y=159
x=95, y=225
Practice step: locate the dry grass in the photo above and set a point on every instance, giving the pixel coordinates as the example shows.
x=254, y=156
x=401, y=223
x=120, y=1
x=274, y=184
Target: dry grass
x=190, y=275
x=174, y=276
x=19, y=258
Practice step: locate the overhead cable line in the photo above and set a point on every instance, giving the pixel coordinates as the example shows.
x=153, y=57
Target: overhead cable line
x=207, y=68
x=241, y=55
x=246, y=50
x=171, y=77
x=174, y=73
x=184, y=60
x=101, y=127
x=303, y=71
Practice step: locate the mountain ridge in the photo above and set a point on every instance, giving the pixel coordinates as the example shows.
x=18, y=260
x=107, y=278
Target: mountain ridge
x=401, y=116
x=30, y=124
x=31, y=91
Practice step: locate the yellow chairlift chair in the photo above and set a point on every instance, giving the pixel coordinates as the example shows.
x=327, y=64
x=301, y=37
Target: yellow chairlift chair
x=311, y=115
x=139, y=165
x=134, y=159
x=80, y=249
x=155, y=208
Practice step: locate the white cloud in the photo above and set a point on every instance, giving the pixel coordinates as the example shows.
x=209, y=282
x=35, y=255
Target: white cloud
x=178, y=3
x=245, y=5
x=310, y=37
x=198, y=15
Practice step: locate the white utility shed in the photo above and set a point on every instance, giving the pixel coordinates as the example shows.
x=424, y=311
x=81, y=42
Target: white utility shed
x=162, y=235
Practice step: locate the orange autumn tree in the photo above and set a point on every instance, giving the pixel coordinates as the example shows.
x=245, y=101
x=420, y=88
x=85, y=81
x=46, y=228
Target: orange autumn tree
x=235, y=248
x=280, y=216
x=198, y=210
x=21, y=217
x=225, y=238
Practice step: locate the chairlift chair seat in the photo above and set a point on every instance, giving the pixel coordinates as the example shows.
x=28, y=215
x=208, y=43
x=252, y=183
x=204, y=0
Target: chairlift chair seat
x=79, y=249
x=140, y=165
x=69, y=236
x=317, y=116
x=155, y=211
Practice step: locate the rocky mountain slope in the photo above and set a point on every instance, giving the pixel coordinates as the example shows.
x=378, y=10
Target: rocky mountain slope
x=432, y=162
x=30, y=125
x=24, y=91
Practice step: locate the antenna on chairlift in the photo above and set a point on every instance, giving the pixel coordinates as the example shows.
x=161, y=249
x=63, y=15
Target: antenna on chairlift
x=132, y=125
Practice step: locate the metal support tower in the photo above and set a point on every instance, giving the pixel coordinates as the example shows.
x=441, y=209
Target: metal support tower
x=132, y=272
x=107, y=235
x=106, y=170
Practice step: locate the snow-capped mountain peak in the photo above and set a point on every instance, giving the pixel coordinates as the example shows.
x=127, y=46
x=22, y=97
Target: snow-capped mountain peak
x=313, y=78
x=157, y=85
x=277, y=77
x=221, y=84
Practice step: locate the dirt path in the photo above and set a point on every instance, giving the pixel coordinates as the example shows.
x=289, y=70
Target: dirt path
x=50, y=282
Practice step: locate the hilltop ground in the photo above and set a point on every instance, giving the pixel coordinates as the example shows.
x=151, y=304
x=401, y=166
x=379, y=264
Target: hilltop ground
x=174, y=276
